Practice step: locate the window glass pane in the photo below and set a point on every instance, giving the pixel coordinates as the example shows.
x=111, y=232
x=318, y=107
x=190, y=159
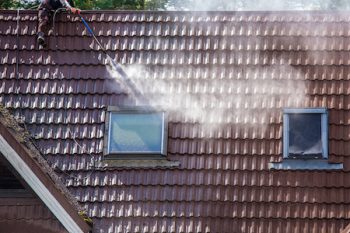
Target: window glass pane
x=136, y=133
x=305, y=135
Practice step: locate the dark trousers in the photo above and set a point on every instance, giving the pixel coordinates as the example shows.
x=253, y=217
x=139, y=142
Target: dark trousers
x=45, y=16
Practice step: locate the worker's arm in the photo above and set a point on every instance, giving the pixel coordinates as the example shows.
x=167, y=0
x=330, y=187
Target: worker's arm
x=66, y=4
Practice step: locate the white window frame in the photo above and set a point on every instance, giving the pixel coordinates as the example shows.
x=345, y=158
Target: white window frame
x=324, y=128
x=138, y=154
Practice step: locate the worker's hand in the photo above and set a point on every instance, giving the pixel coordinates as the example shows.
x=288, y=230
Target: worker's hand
x=75, y=10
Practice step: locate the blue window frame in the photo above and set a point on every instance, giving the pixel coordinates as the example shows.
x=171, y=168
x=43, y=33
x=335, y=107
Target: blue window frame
x=135, y=132
x=305, y=133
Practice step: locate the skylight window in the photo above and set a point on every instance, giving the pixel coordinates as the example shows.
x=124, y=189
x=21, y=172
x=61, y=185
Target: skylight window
x=133, y=132
x=305, y=133
x=305, y=141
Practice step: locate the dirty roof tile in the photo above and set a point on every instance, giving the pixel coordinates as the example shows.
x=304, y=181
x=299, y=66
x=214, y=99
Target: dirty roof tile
x=234, y=65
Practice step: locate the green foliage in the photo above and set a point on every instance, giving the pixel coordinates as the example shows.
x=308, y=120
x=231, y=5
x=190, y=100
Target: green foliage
x=6, y=4
x=155, y=4
x=19, y=4
x=116, y=4
x=92, y=4
x=191, y=4
x=28, y=4
x=121, y=4
x=85, y=4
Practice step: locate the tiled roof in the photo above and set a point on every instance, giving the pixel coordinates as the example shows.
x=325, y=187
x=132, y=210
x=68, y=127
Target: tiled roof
x=224, y=78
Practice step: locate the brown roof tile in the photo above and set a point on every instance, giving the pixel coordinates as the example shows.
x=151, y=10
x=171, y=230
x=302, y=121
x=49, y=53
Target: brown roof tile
x=220, y=193
x=233, y=63
x=239, y=177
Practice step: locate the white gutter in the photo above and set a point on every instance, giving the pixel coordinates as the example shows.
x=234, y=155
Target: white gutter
x=39, y=188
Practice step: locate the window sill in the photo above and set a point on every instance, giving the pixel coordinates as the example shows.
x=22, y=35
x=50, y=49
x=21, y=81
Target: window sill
x=138, y=163
x=306, y=164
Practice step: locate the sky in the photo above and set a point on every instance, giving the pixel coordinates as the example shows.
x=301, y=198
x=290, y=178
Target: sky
x=257, y=5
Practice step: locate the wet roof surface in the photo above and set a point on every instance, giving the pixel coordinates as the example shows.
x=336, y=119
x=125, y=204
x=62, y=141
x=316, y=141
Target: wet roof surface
x=224, y=78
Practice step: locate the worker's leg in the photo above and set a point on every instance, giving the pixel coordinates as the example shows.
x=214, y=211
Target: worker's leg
x=44, y=17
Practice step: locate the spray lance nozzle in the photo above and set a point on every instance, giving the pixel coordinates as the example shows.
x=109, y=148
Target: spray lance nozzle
x=116, y=66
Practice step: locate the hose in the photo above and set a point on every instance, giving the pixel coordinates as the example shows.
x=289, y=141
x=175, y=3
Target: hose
x=118, y=68
x=54, y=17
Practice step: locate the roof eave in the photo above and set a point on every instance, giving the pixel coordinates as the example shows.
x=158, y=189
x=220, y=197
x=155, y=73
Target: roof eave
x=41, y=183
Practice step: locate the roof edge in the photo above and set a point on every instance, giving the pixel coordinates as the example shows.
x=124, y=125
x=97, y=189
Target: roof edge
x=37, y=174
x=191, y=12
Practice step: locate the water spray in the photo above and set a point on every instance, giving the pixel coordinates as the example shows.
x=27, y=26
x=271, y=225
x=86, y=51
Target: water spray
x=117, y=67
x=212, y=103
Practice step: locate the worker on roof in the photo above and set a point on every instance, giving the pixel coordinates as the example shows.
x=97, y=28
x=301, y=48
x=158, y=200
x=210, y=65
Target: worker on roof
x=46, y=9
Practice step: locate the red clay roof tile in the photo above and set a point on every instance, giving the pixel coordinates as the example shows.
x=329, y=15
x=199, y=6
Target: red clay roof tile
x=234, y=65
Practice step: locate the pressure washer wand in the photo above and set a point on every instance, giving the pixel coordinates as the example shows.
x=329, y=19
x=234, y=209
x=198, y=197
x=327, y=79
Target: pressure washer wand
x=117, y=67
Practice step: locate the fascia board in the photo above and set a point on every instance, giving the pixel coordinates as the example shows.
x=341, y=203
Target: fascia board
x=38, y=187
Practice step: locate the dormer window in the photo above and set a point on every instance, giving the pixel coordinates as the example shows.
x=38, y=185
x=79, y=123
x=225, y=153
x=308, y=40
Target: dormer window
x=305, y=141
x=305, y=133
